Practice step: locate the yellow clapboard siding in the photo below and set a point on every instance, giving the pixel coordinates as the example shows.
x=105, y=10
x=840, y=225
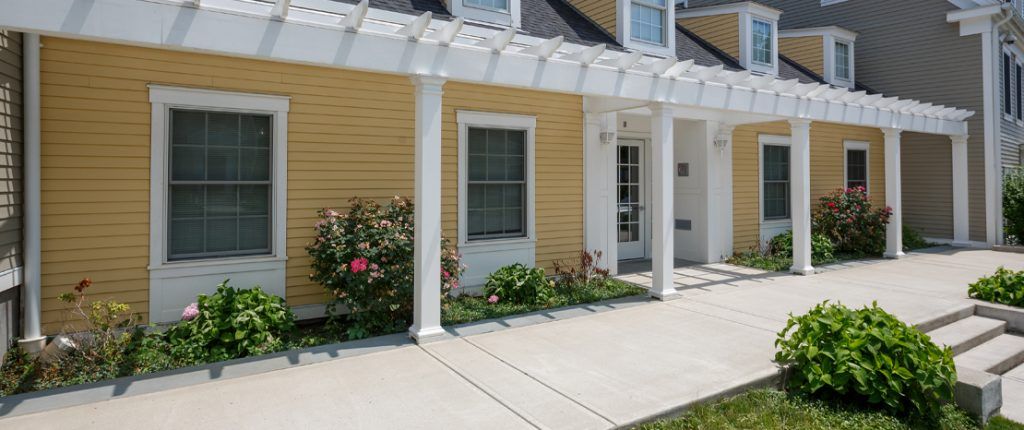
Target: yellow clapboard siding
x=601, y=12
x=806, y=50
x=722, y=31
x=349, y=134
x=827, y=170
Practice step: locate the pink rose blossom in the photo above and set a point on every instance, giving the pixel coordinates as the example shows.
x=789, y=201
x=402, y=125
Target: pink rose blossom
x=359, y=264
x=492, y=299
x=190, y=312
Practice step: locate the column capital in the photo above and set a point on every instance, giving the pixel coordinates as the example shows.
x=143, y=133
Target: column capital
x=726, y=129
x=661, y=109
x=892, y=133
x=959, y=139
x=428, y=82
x=800, y=123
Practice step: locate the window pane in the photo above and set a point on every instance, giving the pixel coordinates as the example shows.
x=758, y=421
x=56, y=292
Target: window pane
x=188, y=163
x=186, y=236
x=222, y=129
x=253, y=200
x=221, y=235
x=222, y=163
x=496, y=183
x=856, y=168
x=254, y=233
x=255, y=131
x=776, y=182
x=762, y=42
x=647, y=23
x=842, y=61
x=188, y=128
x=187, y=201
x=254, y=164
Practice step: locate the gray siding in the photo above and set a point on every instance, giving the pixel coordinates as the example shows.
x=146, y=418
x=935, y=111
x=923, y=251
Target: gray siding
x=1011, y=132
x=10, y=178
x=906, y=48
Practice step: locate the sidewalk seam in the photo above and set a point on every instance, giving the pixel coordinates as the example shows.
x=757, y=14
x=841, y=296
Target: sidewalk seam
x=553, y=389
x=477, y=386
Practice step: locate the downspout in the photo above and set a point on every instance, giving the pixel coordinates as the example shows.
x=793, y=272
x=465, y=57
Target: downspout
x=32, y=340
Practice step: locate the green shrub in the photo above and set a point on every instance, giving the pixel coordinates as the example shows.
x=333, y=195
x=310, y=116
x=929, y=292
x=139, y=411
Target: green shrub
x=231, y=323
x=365, y=261
x=1013, y=205
x=821, y=247
x=1005, y=286
x=866, y=354
x=518, y=284
x=846, y=218
x=913, y=240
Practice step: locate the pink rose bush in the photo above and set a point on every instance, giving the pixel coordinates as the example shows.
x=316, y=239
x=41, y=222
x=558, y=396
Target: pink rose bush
x=364, y=258
x=846, y=218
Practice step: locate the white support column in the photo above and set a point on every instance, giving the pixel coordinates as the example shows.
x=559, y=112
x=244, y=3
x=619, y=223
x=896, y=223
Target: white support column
x=427, y=240
x=893, y=194
x=663, y=246
x=599, y=182
x=723, y=142
x=961, y=214
x=800, y=194
x=32, y=340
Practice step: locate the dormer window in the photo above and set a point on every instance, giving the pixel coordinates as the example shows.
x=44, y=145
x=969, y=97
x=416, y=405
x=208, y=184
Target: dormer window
x=647, y=21
x=842, y=53
x=761, y=41
x=501, y=12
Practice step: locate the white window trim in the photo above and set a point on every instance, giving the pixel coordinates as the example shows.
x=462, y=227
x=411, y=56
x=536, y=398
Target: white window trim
x=468, y=119
x=511, y=18
x=747, y=44
x=162, y=271
x=857, y=145
x=830, y=42
x=623, y=25
x=770, y=140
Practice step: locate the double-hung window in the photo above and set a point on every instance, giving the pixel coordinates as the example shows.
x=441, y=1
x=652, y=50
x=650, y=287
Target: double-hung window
x=497, y=5
x=856, y=164
x=842, y=51
x=761, y=42
x=1007, y=93
x=219, y=184
x=647, y=21
x=496, y=183
x=775, y=186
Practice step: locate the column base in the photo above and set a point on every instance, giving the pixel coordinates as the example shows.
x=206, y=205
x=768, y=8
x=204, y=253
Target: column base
x=803, y=271
x=33, y=346
x=894, y=256
x=664, y=295
x=425, y=335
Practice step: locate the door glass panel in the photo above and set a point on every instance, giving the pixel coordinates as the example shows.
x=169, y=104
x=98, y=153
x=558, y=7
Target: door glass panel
x=628, y=164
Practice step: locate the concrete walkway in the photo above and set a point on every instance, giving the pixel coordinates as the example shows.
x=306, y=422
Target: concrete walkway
x=603, y=370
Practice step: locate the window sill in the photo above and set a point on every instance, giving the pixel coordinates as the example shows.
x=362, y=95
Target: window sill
x=217, y=265
x=498, y=244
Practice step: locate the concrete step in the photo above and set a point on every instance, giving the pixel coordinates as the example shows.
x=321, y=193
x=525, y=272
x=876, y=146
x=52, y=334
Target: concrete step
x=997, y=356
x=967, y=333
x=1016, y=373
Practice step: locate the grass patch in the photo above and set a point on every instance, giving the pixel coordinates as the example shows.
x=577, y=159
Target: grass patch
x=466, y=308
x=775, y=410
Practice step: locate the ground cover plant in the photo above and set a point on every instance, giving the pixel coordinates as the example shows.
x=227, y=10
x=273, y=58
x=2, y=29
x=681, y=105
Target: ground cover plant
x=1005, y=287
x=777, y=255
x=868, y=356
x=775, y=410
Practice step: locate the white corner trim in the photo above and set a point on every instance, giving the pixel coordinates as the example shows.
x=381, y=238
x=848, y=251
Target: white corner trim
x=183, y=276
x=857, y=146
x=774, y=140
x=466, y=119
x=11, y=278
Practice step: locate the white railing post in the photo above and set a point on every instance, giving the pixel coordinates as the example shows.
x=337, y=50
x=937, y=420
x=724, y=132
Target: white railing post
x=893, y=194
x=800, y=194
x=961, y=212
x=663, y=258
x=427, y=240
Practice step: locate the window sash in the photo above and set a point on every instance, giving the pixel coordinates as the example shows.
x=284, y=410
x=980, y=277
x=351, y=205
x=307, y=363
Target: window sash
x=495, y=5
x=856, y=168
x=1007, y=101
x=775, y=181
x=647, y=22
x=761, y=42
x=1020, y=113
x=489, y=196
x=245, y=204
x=842, y=60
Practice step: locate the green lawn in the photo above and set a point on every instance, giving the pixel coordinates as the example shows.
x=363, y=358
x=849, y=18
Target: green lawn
x=775, y=410
x=465, y=308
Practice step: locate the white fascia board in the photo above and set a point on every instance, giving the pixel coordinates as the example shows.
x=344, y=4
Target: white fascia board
x=966, y=14
x=174, y=26
x=833, y=30
x=748, y=7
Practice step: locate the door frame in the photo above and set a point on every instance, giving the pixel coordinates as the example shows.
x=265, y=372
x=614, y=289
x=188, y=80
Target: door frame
x=643, y=142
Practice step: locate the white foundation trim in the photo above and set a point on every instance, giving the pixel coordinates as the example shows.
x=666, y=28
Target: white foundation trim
x=175, y=284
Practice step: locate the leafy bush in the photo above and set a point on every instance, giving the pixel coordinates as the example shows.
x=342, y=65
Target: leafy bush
x=365, y=261
x=1013, y=205
x=518, y=284
x=866, y=354
x=231, y=323
x=821, y=247
x=913, y=240
x=581, y=271
x=846, y=218
x=1005, y=286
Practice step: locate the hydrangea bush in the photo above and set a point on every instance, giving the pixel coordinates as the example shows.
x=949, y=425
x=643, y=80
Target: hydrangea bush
x=364, y=259
x=846, y=218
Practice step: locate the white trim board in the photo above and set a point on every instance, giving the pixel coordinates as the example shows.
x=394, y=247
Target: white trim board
x=175, y=284
x=485, y=256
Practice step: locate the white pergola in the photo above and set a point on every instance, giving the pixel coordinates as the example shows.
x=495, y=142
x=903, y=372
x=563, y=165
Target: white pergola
x=431, y=52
